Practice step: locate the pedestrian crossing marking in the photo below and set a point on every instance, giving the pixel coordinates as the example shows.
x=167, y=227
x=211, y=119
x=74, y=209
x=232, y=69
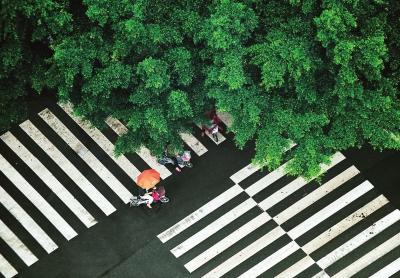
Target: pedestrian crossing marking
x=388, y=270
x=103, y=142
x=27, y=222
x=266, y=181
x=321, y=274
x=244, y=173
x=246, y=253
x=48, y=178
x=344, y=224
x=89, y=158
x=17, y=245
x=200, y=213
x=193, y=143
x=58, y=158
x=143, y=152
x=359, y=239
x=226, y=118
x=250, y=169
x=317, y=194
x=116, y=125
x=271, y=260
x=227, y=241
x=6, y=268
x=36, y=199
x=296, y=184
x=296, y=268
x=370, y=257
x=329, y=210
x=212, y=253
x=213, y=227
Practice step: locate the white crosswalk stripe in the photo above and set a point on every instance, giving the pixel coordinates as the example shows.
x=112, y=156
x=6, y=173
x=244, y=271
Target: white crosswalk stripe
x=226, y=118
x=266, y=181
x=362, y=237
x=200, y=213
x=6, y=269
x=17, y=245
x=193, y=143
x=296, y=184
x=47, y=177
x=321, y=274
x=388, y=270
x=315, y=195
x=211, y=252
x=103, y=142
x=32, y=195
x=246, y=253
x=144, y=153
x=329, y=210
x=251, y=169
x=344, y=224
x=27, y=222
x=244, y=173
x=68, y=168
x=227, y=242
x=213, y=227
x=271, y=260
x=370, y=257
x=296, y=268
x=113, y=183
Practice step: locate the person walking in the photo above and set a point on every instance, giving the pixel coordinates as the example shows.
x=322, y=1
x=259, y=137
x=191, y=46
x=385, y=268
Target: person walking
x=214, y=131
x=216, y=125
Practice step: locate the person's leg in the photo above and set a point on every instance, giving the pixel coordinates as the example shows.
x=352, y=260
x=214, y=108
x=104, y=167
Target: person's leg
x=177, y=168
x=149, y=199
x=203, y=130
x=215, y=136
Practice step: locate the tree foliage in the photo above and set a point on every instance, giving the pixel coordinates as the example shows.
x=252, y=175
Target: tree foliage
x=323, y=74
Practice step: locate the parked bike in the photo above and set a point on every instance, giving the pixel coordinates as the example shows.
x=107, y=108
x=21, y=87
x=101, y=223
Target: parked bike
x=182, y=159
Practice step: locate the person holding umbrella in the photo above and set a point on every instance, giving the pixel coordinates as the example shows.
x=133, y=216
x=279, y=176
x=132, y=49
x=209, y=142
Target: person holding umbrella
x=148, y=180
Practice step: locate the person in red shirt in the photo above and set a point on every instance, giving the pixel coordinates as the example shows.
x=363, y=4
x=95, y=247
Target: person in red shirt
x=216, y=124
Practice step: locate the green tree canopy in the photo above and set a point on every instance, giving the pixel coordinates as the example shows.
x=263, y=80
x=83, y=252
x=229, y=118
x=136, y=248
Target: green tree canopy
x=26, y=28
x=323, y=74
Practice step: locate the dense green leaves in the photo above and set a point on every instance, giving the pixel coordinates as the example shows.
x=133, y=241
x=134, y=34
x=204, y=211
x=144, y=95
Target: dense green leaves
x=322, y=74
x=26, y=30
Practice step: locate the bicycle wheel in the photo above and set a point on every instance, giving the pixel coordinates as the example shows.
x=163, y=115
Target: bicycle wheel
x=134, y=201
x=164, y=199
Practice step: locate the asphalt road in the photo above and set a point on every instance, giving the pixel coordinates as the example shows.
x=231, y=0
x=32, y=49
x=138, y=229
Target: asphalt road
x=125, y=244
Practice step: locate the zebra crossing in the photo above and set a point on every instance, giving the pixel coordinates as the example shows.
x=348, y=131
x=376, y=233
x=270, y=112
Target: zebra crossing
x=59, y=172
x=271, y=225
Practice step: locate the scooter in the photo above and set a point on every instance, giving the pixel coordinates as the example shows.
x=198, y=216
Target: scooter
x=136, y=201
x=183, y=160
